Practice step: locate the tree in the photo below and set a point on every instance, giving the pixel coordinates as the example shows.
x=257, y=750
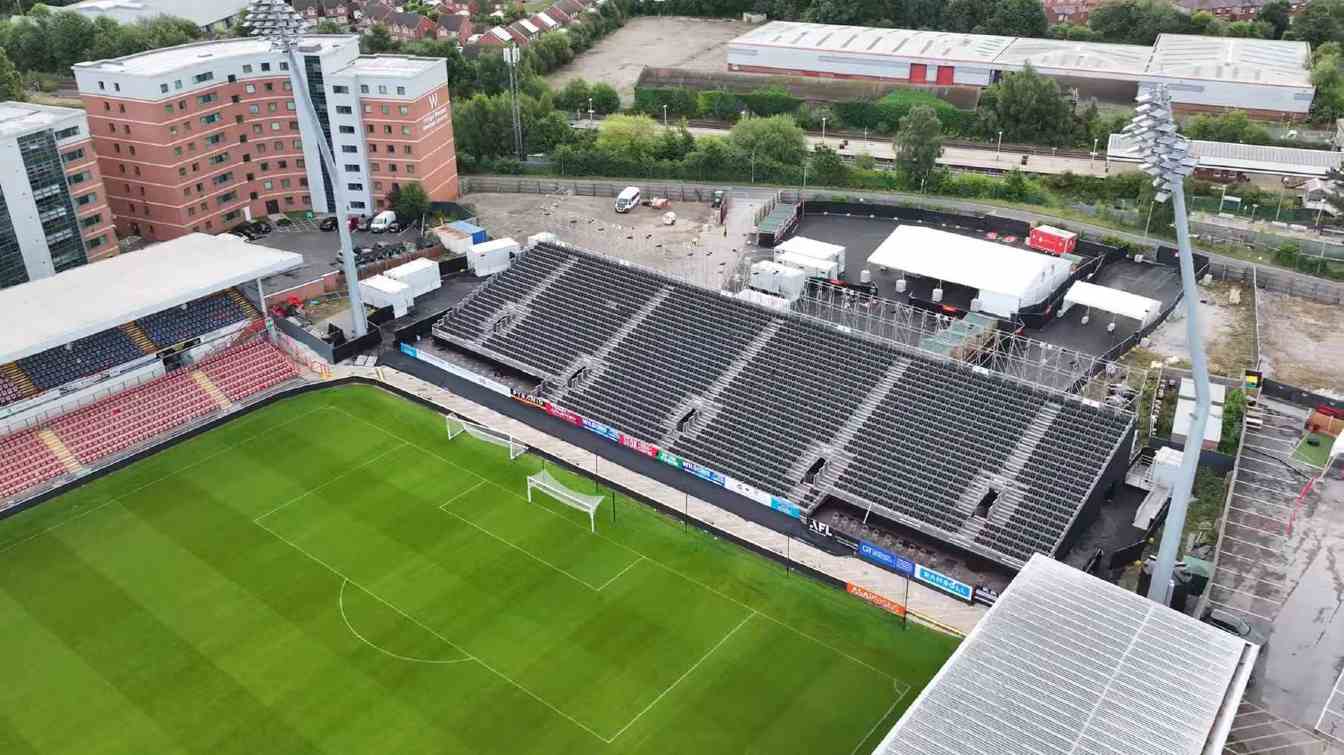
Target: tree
x=776, y=138
x=70, y=36
x=1235, y=127
x=411, y=202
x=11, y=84
x=1278, y=14
x=1327, y=75
x=1015, y=18
x=1028, y=107
x=605, y=99
x=329, y=26
x=461, y=74
x=483, y=126
x=919, y=141
x=630, y=136
x=377, y=40
x=574, y=96
x=1137, y=22
x=1250, y=30
x=674, y=143
x=1319, y=22
x=827, y=168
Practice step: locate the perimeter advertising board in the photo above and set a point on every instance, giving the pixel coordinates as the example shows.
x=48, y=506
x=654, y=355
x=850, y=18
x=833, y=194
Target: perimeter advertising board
x=886, y=559
x=458, y=370
x=945, y=583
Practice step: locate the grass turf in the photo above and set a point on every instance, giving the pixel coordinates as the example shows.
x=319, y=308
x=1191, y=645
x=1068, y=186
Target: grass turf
x=1317, y=455
x=331, y=574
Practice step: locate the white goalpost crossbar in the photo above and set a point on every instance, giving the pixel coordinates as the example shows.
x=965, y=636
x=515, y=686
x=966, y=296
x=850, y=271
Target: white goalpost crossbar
x=547, y=484
x=456, y=426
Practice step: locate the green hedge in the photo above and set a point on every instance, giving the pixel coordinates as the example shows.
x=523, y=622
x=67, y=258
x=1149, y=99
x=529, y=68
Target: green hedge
x=680, y=101
x=884, y=115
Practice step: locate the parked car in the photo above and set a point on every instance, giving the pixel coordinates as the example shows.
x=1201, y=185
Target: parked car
x=244, y=231
x=628, y=199
x=327, y=224
x=716, y=201
x=261, y=227
x=1234, y=625
x=384, y=221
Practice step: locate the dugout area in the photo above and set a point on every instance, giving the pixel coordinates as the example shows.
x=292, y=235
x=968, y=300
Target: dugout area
x=379, y=587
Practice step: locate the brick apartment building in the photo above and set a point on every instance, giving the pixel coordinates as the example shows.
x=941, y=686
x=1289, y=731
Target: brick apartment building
x=202, y=136
x=53, y=207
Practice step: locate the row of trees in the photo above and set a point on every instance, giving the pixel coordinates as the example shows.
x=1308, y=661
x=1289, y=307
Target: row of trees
x=51, y=41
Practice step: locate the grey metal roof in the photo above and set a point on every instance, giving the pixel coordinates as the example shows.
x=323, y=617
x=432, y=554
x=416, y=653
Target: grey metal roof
x=1247, y=158
x=1067, y=663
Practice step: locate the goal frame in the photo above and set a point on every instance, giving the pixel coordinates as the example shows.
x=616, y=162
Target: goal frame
x=553, y=488
x=455, y=426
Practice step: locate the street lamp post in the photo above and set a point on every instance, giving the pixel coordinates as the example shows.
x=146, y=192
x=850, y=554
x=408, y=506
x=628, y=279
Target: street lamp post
x=823, y=129
x=999, y=147
x=1093, y=161
x=276, y=22
x=1166, y=158
x=1279, y=209
x=664, y=116
x=753, y=162
x=590, y=108
x=1254, y=207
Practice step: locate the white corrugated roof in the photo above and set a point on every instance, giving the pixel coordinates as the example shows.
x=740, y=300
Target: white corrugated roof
x=1248, y=61
x=196, y=11
x=1074, y=58
x=1247, y=158
x=1066, y=663
x=1113, y=300
x=101, y=295
x=903, y=43
x=967, y=261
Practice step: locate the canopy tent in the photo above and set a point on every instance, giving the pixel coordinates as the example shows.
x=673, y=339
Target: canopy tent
x=101, y=295
x=1008, y=278
x=1112, y=300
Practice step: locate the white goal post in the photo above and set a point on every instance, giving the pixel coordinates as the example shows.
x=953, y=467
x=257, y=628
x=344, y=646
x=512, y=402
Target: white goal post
x=547, y=484
x=456, y=426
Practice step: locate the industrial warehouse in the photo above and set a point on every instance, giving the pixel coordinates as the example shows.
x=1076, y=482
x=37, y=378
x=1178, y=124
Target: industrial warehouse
x=1266, y=78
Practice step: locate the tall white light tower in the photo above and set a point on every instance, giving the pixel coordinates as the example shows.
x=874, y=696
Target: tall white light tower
x=276, y=21
x=1166, y=158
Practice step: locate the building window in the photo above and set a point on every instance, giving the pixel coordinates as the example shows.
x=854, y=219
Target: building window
x=268, y=86
x=373, y=167
x=206, y=99
x=267, y=185
x=293, y=125
x=206, y=120
x=275, y=125
x=78, y=178
x=219, y=159
x=297, y=144
x=201, y=78
x=89, y=198
x=167, y=107
x=290, y=106
x=385, y=109
x=219, y=137
x=284, y=183
x=349, y=148
x=391, y=167
x=340, y=89
x=354, y=187
x=387, y=129
x=250, y=88
x=343, y=110
x=163, y=88
x=401, y=90
x=92, y=220
x=363, y=88
x=382, y=89
x=271, y=107
x=351, y=168
x=97, y=241
x=410, y=169
x=132, y=149
x=261, y=148
x=368, y=109
x=247, y=68
x=403, y=110
x=73, y=155
x=405, y=130
x=254, y=109
x=116, y=87
x=265, y=67
x=406, y=149
x=289, y=200
x=358, y=205
x=101, y=85
x=177, y=83
x=347, y=129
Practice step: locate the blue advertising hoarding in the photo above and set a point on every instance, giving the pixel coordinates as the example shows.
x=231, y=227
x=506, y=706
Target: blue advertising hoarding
x=886, y=559
x=704, y=473
x=781, y=505
x=600, y=429
x=945, y=583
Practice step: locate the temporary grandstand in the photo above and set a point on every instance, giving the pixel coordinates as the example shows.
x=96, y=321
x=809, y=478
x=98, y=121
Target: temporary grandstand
x=788, y=409
x=1067, y=663
x=113, y=354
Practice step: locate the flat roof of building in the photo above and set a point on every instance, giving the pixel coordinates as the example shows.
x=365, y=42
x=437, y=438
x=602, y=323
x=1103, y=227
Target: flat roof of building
x=168, y=59
x=1068, y=663
x=393, y=65
x=1245, y=61
x=903, y=43
x=1244, y=158
x=18, y=118
x=195, y=11
x=1075, y=57
x=101, y=295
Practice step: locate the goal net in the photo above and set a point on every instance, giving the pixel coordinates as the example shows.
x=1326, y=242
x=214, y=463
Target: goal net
x=457, y=426
x=552, y=487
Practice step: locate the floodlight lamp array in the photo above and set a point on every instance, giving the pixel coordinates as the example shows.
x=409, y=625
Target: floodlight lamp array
x=1166, y=154
x=276, y=21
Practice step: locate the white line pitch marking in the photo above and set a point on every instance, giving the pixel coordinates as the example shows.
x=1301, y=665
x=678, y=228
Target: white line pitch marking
x=156, y=480
x=904, y=691
x=690, y=579
x=340, y=602
x=429, y=629
x=685, y=674
x=330, y=480
x=619, y=573
x=520, y=549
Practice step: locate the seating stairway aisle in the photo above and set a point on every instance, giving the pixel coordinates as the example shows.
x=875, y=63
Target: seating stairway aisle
x=27, y=462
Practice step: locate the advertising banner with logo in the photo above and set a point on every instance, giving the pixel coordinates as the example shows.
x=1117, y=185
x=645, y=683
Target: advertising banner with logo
x=593, y=426
x=885, y=603
x=458, y=370
x=669, y=458
x=529, y=399
x=886, y=559
x=945, y=583
x=704, y=473
x=822, y=529
x=635, y=444
x=564, y=414
x=747, y=491
x=783, y=506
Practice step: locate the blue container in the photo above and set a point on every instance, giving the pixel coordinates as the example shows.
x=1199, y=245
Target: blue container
x=476, y=232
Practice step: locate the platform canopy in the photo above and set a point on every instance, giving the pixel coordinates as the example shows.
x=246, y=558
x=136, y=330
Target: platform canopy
x=49, y=312
x=1242, y=158
x=1066, y=663
x=1007, y=277
x=1113, y=300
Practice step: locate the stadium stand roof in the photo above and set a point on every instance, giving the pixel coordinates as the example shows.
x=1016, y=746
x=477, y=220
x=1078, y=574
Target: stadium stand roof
x=995, y=269
x=1068, y=663
x=92, y=298
x=1244, y=158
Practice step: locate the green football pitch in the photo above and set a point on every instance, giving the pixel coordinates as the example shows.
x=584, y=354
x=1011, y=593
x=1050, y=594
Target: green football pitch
x=332, y=574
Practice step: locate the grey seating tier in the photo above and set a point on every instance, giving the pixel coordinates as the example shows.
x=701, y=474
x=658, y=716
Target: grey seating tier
x=195, y=318
x=56, y=367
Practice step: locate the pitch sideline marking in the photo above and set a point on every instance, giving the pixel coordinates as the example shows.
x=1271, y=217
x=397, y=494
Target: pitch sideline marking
x=619, y=573
x=330, y=480
x=429, y=629
x=688, y=578
x=904, y=691
x=518, y=548
x=340, y=602
x=156, y=480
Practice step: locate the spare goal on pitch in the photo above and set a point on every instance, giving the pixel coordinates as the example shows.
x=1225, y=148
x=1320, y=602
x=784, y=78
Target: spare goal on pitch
x=547, y=484
x=457, y=425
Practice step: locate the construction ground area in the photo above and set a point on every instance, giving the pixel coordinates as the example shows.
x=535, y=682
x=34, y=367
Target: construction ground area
x=1302, y=342
x=658, y=41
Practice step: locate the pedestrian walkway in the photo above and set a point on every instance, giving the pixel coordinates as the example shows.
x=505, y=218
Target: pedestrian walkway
x=925, y=605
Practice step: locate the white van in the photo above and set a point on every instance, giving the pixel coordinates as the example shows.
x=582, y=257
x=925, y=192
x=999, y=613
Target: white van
x=628, y=199
x=384, y=221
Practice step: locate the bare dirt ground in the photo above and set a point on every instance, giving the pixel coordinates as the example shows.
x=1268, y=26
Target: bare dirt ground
x=1303, y=342
x=695, y=247
x=664, y=41
x=1228, y=329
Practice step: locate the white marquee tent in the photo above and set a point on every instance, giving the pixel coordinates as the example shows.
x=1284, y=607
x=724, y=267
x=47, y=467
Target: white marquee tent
x=1113, y=300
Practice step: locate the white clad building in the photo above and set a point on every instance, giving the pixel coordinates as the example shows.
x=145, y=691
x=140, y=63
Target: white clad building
x=215, y=15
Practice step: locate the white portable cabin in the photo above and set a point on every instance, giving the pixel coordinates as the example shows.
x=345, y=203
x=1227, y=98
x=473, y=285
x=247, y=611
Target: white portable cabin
x=382, y=291
x=781, y=280
x=815, y=249
x=421, y=275
x=454, y=240
x=492, y=256
x=811, y=266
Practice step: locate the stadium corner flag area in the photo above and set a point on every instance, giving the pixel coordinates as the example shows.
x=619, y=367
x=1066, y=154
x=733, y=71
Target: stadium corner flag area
x=381, y=587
